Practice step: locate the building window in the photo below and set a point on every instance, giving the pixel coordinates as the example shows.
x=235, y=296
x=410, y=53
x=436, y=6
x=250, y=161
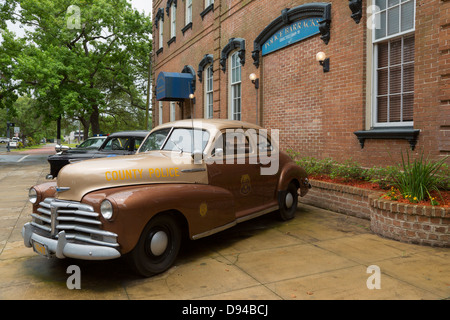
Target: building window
x=161, y=33
x=160, y=112
x=173, y=20
x=172, y=111
x=208, y=3
x=235, y=86
x=209, y=92
x=188, y=11
x=393, y=45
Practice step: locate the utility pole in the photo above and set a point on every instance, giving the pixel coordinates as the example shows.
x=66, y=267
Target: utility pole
x=149, y=82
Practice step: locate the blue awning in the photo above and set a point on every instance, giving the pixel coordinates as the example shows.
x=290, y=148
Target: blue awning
x=173, y=86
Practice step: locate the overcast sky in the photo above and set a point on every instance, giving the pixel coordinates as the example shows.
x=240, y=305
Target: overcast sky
x=140, y=5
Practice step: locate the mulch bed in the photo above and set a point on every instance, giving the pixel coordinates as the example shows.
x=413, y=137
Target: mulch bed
x=443, y=197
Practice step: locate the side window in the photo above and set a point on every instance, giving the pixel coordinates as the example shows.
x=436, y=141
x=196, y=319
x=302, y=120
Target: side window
x=117, y=144
x=232, y=143
x=264, y=144
x=137, y=143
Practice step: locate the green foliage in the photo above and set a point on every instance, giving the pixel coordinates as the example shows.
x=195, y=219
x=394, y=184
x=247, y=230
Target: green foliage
x=349, y=170
x=418, y=178
x=75, y=66
x=383, y=176
x=316, y=167
x=412, y=180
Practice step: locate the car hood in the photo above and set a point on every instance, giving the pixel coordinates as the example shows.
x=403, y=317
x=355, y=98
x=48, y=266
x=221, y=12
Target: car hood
x=77, y=179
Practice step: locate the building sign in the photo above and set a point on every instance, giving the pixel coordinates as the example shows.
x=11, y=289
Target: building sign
x=293, y=33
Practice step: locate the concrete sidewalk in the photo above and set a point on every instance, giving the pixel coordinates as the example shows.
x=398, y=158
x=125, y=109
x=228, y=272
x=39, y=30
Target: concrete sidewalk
x=317, y=255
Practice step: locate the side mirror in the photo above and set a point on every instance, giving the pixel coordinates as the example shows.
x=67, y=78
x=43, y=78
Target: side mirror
x=197, y=156
x=218, y=152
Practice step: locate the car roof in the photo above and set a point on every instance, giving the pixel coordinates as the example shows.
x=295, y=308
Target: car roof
x=135, y=133
x=209, y=124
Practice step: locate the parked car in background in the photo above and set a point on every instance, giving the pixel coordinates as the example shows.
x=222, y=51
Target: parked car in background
x=4, y=140
x=119, y=143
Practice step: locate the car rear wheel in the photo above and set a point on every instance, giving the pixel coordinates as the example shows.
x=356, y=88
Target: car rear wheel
x=158, y=246
x=288, y=201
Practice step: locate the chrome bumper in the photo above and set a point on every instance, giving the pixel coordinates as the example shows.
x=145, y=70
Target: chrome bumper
x=62, y=249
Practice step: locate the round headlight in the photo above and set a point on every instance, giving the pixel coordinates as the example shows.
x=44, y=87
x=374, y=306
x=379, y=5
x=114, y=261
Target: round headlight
x=32, y=195
x=106, y=209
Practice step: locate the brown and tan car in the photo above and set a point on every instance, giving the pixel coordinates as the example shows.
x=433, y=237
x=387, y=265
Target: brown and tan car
x=190, y=177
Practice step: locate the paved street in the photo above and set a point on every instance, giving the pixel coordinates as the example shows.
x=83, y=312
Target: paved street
x=317, y=255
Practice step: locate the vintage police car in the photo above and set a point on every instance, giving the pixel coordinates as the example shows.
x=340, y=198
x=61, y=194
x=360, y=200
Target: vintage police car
x=193, y=177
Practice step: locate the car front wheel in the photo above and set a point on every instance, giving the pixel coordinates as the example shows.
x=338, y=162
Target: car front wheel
x=158, y=246
x=288, y=201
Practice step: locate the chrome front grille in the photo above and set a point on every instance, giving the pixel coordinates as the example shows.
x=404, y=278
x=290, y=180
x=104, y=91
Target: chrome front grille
x=78, y=220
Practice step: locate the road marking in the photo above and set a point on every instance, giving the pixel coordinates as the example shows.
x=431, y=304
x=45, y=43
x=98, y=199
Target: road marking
x=21, y=159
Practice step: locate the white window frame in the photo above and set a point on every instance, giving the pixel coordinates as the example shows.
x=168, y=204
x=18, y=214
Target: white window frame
x=208, y=3
x=161, y=33
x=235, y=66
x=172, y=111
x=188, y=11
x=375, y=43
x=209, y=92
x=173, y=20
x=160, y=112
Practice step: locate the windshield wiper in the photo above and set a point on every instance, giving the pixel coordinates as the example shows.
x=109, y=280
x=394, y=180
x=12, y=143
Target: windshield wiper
x=179, y=148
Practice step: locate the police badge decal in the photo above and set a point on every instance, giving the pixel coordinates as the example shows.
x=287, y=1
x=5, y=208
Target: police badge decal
x=246, y=186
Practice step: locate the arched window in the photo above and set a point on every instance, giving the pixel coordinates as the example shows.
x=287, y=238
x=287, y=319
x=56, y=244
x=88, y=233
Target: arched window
x=235, y=87
x=208, y=85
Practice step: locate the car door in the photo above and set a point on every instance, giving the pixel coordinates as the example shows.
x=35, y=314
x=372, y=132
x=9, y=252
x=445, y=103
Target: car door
x=233, y=166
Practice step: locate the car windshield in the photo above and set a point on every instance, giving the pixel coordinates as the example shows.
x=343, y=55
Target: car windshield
x=92, y=143
x=178, y=139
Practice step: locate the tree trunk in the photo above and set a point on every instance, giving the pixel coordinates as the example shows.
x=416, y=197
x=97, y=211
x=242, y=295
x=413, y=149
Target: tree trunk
x=85, y=124
x=95, y=120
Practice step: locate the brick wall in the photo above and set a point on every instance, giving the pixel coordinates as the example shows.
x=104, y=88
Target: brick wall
x=315, y=112
x=423, y=225
x=339, y=198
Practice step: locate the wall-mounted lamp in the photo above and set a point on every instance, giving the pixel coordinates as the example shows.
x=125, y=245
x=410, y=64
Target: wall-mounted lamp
x=254, y=80
x=324, y=61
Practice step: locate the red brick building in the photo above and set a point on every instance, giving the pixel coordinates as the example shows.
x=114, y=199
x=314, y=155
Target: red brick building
x=387, y=88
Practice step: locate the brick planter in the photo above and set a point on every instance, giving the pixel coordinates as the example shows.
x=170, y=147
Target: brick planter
x=425, y=225
x=410, y=223
x=339, y=198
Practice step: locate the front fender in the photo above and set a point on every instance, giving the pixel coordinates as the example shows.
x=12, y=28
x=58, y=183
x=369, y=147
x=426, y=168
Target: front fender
x=292, y=172
x=204, y=208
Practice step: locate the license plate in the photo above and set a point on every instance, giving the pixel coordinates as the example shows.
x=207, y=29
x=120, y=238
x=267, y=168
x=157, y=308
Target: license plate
x=41, y=249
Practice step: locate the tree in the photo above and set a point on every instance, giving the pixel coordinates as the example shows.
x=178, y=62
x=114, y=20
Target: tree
x=79, y=55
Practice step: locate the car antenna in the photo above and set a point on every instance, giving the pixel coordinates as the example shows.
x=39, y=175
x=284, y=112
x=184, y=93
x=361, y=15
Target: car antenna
x=191, y=97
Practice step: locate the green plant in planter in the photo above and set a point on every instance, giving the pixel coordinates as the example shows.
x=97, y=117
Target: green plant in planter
x=418, y=178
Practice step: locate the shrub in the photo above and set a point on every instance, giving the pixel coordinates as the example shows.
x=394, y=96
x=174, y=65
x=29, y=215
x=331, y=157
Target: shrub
x=316, y=167
x=349, y=170
x=418, y=178
x=383, y=176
